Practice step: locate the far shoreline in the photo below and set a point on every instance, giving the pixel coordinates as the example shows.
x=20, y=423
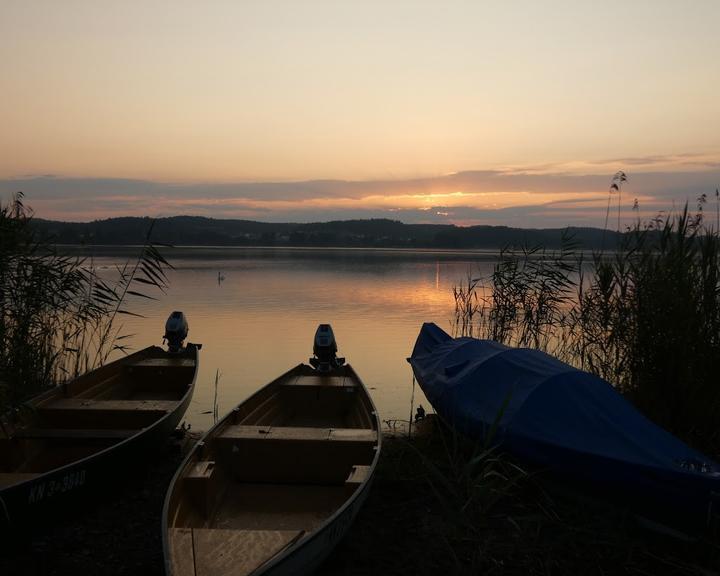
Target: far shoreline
x=181, y=251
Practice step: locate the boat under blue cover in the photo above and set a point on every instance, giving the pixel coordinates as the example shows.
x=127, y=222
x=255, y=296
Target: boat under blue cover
x=565, y=420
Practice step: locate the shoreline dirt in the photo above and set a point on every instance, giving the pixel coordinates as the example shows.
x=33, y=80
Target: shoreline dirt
x=412, y=523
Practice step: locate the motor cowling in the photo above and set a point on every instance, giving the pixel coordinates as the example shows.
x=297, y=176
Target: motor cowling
x=176, y=330
x=325, y=350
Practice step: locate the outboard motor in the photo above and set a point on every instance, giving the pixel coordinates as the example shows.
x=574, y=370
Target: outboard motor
x=325, y=349
x=176, y=330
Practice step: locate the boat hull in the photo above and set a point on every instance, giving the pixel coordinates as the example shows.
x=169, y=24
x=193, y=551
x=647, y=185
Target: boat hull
x=110, y=458
x=276, y=484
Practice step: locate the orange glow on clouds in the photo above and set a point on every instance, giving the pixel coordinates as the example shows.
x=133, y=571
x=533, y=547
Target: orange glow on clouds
x=239, y=207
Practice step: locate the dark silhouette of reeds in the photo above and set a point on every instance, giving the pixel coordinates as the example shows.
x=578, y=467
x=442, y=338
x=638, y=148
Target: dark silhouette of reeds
x=58, y=317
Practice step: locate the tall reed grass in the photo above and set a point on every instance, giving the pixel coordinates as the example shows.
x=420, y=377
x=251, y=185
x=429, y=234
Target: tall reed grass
x=58, y=317
x=645, y=316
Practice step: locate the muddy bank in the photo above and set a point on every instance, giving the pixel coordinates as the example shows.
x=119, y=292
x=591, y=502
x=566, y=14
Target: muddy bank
x=425, y=515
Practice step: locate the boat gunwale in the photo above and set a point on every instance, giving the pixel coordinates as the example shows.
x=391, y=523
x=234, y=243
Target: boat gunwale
x=306, y=539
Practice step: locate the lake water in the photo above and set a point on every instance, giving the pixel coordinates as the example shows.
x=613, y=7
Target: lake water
x=260, y=320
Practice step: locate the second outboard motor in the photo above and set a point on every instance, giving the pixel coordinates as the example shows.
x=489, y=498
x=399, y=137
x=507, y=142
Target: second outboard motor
x=176, y=330
x=325, y=349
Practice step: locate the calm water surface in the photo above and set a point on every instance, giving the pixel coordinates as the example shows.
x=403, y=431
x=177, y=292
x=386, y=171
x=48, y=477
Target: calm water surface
x=259, y=321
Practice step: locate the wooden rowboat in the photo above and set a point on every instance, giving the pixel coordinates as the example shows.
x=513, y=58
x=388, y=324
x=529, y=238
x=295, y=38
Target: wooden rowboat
x=277, y=483
x=79, y=438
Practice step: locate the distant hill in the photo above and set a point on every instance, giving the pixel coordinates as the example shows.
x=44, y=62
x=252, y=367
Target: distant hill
x=380, y=233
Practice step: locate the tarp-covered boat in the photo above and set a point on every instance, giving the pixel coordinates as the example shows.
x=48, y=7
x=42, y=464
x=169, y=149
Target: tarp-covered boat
x=563, y=419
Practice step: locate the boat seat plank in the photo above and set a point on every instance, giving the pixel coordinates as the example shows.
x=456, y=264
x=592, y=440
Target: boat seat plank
x=353, y=435
x=241, y=431
x=237, y=552
x=10, y=478
x=112, y=405
x=74, y=433
x=323, y=381
x=299, y=433
x=164, y=363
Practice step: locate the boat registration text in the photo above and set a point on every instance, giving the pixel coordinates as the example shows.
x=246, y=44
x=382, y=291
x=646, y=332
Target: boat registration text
x=50, y=488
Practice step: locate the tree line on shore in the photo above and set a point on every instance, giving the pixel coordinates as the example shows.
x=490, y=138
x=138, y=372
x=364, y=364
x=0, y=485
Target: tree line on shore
x=372, y=233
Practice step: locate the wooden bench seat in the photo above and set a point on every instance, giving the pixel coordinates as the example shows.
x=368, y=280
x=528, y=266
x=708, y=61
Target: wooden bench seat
x=89, y=404
x=89, y=413
x=164, y=363
x=320, y=381
x=298, y=433
x=353, y=435
x=301, y=434
x=290, y=454
x=243, y=432
x=74, y=433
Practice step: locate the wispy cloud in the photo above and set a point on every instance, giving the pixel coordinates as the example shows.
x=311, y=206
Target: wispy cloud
x=522, y=196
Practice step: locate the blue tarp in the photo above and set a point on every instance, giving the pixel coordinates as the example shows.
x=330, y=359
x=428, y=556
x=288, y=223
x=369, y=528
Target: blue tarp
x=556, y=416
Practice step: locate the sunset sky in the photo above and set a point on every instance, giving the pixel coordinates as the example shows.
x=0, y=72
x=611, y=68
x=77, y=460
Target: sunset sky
x=478, y=112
